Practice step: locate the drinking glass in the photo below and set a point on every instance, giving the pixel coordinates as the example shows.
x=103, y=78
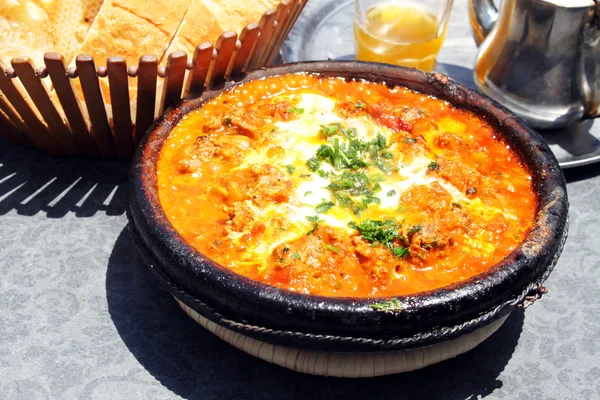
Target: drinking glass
x=401, y=32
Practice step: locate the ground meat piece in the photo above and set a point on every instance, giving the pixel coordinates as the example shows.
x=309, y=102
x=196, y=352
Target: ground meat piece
x=455, y=145
x=427, y=198
x=411, y=114
x=261, y=183
x=376, y=261
x=397, y=119
x=212, y=124
x=269, y=184
x=467, y=179
x=207, y=148
x=280, y=111
x=348, y=109
x=366, y=252
x=323, y=259
x=240, y=214
x=426, y=239
x=194, y=156
x=246, y=122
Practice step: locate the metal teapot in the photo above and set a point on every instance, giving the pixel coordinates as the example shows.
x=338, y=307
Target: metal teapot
x=539, y=58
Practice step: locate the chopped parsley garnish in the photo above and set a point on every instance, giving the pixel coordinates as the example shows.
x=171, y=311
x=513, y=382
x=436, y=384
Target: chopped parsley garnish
x=361, y=105
x=345, y=201
x=330, y=130
x=378, y=142
x=296, y=256
x=226, y=121
x=322, y=173
x=350, y=133
x=421, y=111
x=340, y=155
x=307, y=192
x=388, y=305
x=296, y=110
x=409, y=140
x=332, y=248
x=433, y=166
x=390, y=193
x=368, y=199
x=351, y=157
x=351, y=154
x=290, y=169
x=356, y=183
x=324, y=207
x=313, y=164
x=413, y=231
x=315, y=220
x=387, y=233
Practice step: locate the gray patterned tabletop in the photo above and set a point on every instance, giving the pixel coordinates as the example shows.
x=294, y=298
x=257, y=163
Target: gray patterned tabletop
x=82, y=318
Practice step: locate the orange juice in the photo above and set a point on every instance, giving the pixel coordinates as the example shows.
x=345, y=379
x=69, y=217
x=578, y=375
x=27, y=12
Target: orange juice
x=401, y=34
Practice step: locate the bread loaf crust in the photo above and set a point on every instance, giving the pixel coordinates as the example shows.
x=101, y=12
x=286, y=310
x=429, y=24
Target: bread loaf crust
x=70, y=21
x=130, y=29
x=199, y=25
x=25, y=30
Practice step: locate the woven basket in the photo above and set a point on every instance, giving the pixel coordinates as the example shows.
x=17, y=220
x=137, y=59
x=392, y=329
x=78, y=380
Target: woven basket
x=39, y=107
x=348, y=365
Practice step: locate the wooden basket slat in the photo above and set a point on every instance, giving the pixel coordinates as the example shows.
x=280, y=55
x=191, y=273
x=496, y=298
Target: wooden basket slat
x=248, y=39
x=100, y=129
x=9, y=132
x=173, y=82
x=38, y=93
x=75, y=118
x=55, y=64
x=298, y=6
x=225, y=48
x=201, y=61
x=12, y=116
x=37, y=132
x=269, y=34
x=283, y=12
x=147, y=78
x=266, y=24
x=118, y=83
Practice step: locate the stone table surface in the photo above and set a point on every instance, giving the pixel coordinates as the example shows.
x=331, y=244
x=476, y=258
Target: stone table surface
x=82, y=318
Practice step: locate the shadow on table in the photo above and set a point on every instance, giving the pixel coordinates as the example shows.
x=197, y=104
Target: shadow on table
x=582, y=173
x=194, y=364
x=33, y=182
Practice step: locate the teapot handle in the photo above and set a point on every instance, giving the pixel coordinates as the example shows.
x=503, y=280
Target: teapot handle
x=483, y=15
x=589, y=67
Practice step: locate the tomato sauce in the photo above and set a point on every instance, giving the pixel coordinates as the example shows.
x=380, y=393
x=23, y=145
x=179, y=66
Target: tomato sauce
x=227, y=185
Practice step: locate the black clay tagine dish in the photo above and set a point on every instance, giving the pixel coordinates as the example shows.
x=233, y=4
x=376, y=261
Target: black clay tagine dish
x=274, y=323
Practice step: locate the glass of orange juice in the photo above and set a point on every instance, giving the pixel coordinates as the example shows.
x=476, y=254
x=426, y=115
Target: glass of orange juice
x=401, y=32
